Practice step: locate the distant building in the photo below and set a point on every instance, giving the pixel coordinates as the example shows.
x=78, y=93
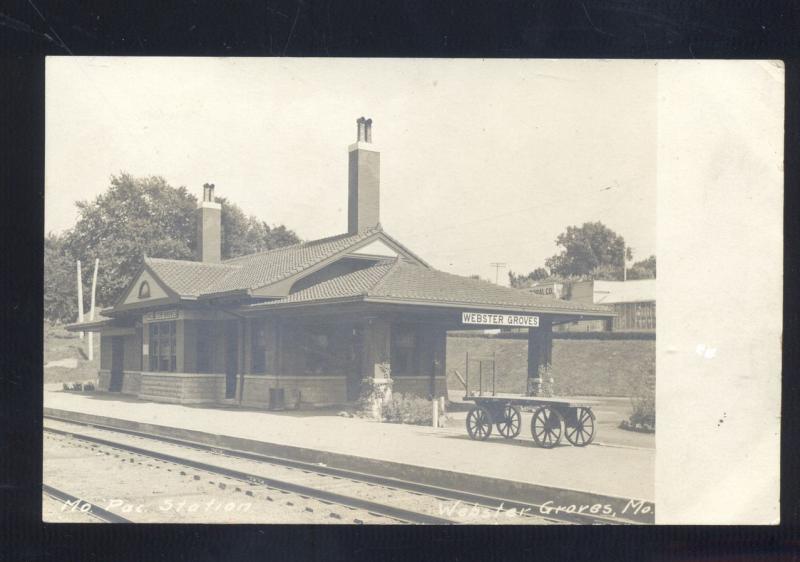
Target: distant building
x=633, y=302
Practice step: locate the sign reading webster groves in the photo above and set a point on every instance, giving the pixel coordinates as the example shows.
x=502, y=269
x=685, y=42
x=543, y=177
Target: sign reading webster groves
x=518, y=320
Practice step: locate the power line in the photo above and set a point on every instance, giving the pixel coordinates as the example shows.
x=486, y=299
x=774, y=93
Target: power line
x=497, y=265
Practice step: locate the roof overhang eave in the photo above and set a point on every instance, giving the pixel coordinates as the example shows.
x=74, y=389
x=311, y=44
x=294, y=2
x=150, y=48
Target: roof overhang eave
x=95, y=326
x=492, y=306
x=572, y=314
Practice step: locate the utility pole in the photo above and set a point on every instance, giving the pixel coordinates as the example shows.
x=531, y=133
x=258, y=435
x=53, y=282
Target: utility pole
x=91, y=309
x=80, y=296
x=625, y=262
x=497, y=265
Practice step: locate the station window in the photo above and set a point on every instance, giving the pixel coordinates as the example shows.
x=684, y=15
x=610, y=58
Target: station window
x=162, y=346
x=318, y=353
x=259, y=347
x=404, y=350
x=204, y=344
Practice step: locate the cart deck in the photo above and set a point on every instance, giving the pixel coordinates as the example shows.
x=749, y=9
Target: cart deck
x=523, y=400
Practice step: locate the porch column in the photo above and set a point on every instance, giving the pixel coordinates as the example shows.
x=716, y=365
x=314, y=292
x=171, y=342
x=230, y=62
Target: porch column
x=145, y=346
x=439, y=339
x=540, y=353
x=376, y=371
x=180, y=347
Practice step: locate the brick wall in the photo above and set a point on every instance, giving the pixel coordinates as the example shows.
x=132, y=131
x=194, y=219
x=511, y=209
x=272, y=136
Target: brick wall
x=298, y=390
x=580, y=366
x=421, y=386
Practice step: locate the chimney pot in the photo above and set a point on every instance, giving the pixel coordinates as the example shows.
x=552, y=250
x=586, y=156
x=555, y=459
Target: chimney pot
x=208, y=192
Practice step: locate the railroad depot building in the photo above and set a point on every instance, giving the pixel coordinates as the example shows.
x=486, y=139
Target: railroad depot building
x=316, y=323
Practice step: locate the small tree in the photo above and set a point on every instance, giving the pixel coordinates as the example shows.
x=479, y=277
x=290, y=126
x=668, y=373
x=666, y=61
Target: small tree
x=133, y=217
x=644, y=269
x=589, y=248
x=60, y=301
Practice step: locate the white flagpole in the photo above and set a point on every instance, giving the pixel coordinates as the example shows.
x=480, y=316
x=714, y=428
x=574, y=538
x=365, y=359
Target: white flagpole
x=80, y=296
x=91, y=309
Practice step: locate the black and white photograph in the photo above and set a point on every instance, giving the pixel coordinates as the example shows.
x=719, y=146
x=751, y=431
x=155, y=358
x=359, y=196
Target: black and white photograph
x=379, y=291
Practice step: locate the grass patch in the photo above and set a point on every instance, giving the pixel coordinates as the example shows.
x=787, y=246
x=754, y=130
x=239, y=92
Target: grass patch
x=59, y=344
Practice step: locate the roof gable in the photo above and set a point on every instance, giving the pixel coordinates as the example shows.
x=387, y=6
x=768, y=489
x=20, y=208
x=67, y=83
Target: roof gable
x=269, y=274
x=145, y=287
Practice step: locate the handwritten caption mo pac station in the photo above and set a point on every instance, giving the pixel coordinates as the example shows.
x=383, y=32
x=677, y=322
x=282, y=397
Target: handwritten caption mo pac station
x=516, y=320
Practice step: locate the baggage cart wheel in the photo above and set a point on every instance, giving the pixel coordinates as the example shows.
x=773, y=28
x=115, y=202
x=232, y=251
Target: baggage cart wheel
x=546, y=427
x=479, y=423
x=511, y=423
x=580, y=426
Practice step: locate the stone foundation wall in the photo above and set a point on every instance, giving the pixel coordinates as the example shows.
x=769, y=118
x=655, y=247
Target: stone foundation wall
x=421, y=386
x=299, y=390
x=131, y=382
x=182, y=388
x=103, y=379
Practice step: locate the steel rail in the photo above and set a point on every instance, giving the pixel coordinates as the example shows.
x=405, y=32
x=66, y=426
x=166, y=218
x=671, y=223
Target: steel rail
x=299, y=489
x=94, y=510
x=385, y=481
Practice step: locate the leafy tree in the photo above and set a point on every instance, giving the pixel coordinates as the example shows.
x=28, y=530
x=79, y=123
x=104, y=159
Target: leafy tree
x=592, y=249
x=60, y=295
x=134, y=217
x=521, y=281
x=644, y=269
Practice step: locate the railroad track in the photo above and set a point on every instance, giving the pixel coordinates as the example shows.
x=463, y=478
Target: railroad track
x=83, y=506
x=525, y=512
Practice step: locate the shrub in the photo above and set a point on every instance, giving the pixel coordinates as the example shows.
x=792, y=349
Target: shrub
x=407, y=408
x=643, y=406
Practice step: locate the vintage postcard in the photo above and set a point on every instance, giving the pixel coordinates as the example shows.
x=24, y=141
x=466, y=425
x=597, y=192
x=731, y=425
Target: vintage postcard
x=411, y=291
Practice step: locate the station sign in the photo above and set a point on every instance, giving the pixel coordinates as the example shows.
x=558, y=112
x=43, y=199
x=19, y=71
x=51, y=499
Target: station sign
x=514, y=320
x=159, y=315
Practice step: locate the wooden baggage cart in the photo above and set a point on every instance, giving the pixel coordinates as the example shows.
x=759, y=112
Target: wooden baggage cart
x=552, y=419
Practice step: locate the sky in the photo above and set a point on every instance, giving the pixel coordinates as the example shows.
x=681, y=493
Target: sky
x=481, y=160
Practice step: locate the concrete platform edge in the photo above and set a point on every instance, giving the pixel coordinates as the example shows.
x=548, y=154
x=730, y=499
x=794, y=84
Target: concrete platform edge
x=623, y=508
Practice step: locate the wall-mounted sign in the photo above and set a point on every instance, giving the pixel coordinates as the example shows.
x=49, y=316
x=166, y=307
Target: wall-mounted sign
x=516, y=320
x=159, y=315
x=549, y=289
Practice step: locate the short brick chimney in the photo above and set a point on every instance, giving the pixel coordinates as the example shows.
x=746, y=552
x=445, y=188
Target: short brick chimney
x=209, y=227
x=363, y=197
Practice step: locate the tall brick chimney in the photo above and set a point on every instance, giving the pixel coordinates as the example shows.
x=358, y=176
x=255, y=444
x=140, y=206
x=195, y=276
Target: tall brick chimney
x=209, y=227
x=363, y=197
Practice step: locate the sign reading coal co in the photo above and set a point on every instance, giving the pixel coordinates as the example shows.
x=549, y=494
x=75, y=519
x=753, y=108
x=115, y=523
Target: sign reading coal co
x=516, y=320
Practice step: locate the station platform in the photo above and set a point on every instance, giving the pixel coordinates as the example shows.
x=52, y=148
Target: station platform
x=437, y=456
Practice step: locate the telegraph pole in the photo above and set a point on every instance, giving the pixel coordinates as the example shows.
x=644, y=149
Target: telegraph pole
x=497, y=265
x=80, y=296
x=91, y=309
x=625, y=262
